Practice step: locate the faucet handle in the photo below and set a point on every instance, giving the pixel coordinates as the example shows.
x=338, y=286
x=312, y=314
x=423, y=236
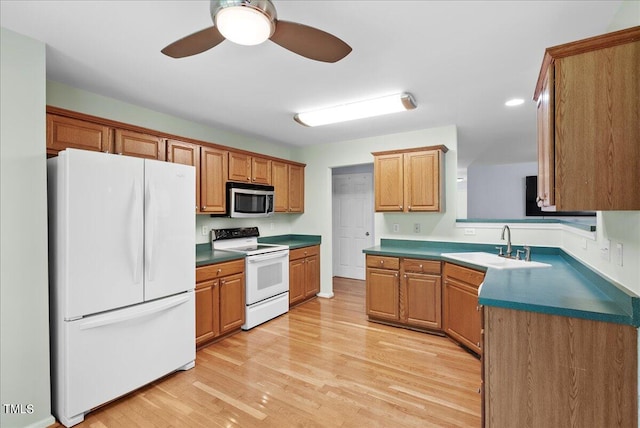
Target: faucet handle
x=527, y=253
x=500, y=253
x=518, y=252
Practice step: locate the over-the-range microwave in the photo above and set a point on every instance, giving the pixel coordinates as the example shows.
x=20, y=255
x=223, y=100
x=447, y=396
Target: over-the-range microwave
x=245, y=200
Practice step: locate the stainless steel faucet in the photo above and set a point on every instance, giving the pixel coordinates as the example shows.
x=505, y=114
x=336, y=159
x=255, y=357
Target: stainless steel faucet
x=506, y=227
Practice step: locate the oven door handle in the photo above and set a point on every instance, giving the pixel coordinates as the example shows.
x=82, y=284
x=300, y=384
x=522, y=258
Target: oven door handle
x=274, y=255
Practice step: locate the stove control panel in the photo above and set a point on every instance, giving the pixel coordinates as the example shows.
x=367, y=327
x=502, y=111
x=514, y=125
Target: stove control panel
x=234, y=233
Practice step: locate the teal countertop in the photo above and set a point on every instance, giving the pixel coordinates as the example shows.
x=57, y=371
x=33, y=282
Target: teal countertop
x=206, y=256
x=293, y=241
x=567, y=288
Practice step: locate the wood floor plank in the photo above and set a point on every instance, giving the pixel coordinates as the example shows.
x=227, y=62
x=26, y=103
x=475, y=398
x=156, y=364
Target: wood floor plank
x=323, y=364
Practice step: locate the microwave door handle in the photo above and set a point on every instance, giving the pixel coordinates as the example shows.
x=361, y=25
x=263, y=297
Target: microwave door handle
x=274, y=255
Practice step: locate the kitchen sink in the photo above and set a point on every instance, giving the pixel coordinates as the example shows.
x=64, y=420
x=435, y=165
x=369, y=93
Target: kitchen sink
x=494, y=261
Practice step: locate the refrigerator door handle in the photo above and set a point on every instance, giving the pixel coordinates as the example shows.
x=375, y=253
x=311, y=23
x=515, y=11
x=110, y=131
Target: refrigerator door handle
x=136, y=241
x=151, y=222
x=117, y=317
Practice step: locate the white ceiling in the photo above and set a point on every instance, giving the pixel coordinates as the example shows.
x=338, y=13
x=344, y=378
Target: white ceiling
x=461, y=60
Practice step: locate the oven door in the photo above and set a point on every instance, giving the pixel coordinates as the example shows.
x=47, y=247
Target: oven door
x=267, y=275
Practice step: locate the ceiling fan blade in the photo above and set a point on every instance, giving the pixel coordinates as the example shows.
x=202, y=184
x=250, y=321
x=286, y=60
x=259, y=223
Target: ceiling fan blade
x=309, y=42
x=195, y=43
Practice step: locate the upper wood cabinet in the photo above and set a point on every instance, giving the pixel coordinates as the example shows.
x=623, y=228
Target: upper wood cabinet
x=409, y=180
x=186, y=154
x=65, y=132
x=214, y=164
x=251, y=169
x=588, y=95
x=288, y=182
x=130, y=143
x=213, y=178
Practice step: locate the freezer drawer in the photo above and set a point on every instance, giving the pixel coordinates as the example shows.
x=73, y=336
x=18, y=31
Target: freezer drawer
x=102, y=357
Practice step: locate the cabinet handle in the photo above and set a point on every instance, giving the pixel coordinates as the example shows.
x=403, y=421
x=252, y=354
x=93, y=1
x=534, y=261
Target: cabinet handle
x=409, y=207
x=219, y=271
x=381, y=262
x=204, y=207
x=479, y=390
x=396, y=275
x=420, y=266
x=400, y=206
x=478, y=344
x=222, y=282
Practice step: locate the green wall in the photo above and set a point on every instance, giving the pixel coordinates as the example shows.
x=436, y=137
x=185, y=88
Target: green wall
x=24, y=304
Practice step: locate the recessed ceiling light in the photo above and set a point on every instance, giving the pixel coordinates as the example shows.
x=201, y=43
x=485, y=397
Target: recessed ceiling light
x=514, y=102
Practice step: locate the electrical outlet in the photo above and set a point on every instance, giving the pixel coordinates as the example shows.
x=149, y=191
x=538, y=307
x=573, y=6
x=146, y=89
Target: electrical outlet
x=396, y=227
x=205, y=230
x=604, y=250
x=584, y=243
x=469, y=231
x=416, y=228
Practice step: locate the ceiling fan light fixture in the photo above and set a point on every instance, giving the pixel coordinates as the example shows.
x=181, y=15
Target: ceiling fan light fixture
x=357, y=110
x=245, y=22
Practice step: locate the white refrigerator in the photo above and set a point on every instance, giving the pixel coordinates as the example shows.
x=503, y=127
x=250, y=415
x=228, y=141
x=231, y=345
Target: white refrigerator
x=122, y=275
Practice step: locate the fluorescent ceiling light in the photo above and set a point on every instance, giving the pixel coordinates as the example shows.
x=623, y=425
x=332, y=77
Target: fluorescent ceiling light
x=357, y=110
x=514, y=102
x=244, y=25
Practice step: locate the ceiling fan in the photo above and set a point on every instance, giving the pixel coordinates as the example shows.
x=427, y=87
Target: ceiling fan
x=250, y=22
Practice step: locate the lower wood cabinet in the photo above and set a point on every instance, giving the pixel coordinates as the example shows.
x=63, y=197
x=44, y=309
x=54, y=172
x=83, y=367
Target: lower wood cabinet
x=462, y=316
x=542, y=370
x=404, y=291
x=220, y=300
x=304, y=274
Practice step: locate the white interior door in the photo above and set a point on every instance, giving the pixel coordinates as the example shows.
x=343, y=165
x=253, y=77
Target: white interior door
x=352, y=223
x=101, y=231
x=169, y=229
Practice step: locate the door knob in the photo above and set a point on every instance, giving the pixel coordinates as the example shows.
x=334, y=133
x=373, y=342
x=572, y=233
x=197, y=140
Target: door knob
x=366, y=234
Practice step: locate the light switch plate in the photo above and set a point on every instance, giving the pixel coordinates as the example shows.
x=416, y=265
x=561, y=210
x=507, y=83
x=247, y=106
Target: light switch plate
x=396, y=227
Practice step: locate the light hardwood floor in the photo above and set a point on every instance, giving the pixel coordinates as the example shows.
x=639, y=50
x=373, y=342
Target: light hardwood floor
x=321, y=365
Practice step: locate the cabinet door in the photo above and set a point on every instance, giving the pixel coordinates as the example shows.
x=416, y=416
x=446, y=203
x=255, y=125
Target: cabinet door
x=597, y=131
x=239, y=167
x=296, y=281
x=260, y=171
x=64, y=132
x=546, y=156
x=232, y=303
x=388, y=182
x=422, y=181
x=312, y=274
x=422, y=302
x=213, y=176
x=296, y=189
x=383, y=294
x=280, y=182
x=186, y=154
x=207, y=303
x=463, y=320
x=146, y=146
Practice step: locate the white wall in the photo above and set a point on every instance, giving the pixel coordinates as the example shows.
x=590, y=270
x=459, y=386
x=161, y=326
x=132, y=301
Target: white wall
x=24, y=304
x=498, y=191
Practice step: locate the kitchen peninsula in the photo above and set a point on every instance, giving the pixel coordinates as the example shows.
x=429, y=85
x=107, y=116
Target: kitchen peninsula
x=557, y=333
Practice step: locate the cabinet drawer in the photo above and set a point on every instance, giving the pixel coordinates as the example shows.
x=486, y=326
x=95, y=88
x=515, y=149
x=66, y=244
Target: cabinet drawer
x=421, y=266
x=464, y=274
x=383, y=262
x=219, y=270
x=300, y=253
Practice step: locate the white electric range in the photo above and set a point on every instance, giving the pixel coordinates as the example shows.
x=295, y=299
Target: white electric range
x=266, y=273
